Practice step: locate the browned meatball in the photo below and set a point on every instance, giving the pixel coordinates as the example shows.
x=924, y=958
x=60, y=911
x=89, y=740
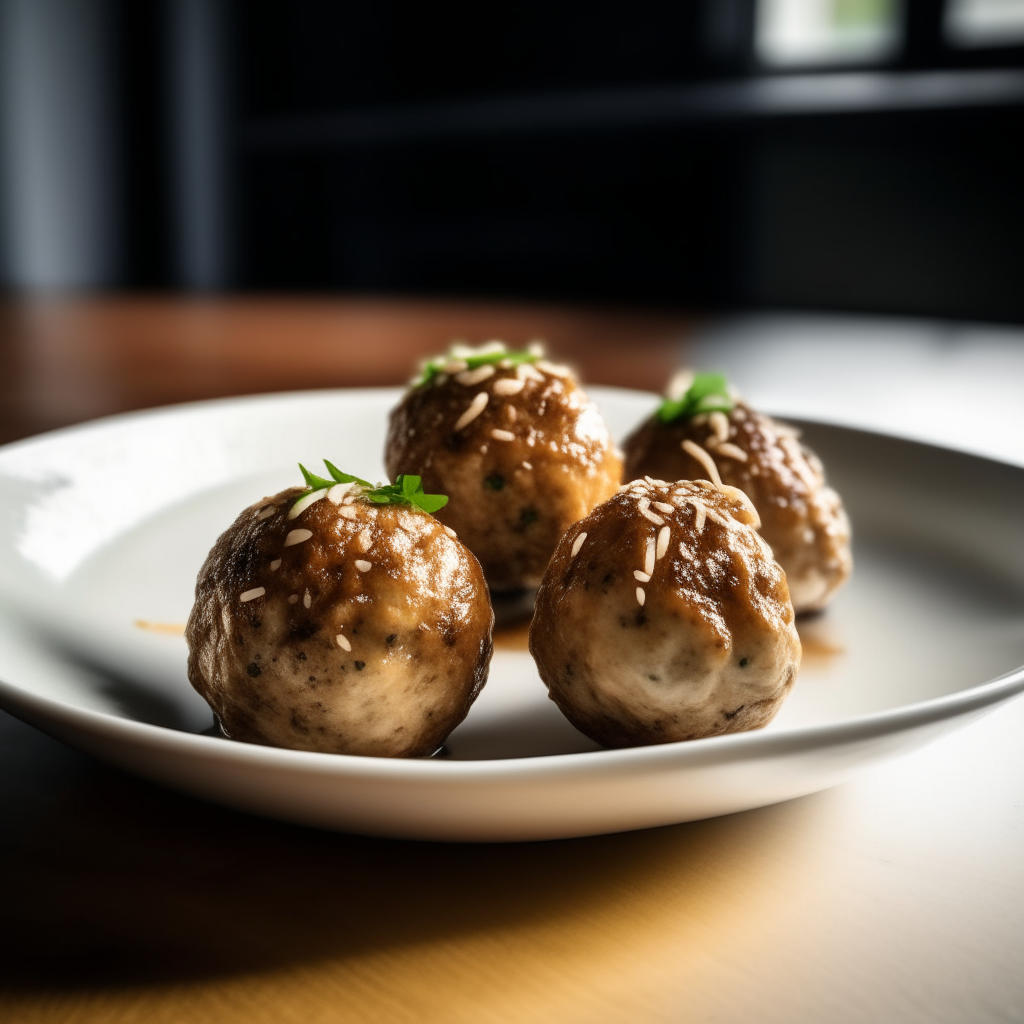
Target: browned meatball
x=520, y=450
x=801, y=518
x=664, y=617
x=352, y=628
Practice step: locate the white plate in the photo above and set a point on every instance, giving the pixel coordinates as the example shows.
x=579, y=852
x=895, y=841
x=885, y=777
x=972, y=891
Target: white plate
x=106, y=524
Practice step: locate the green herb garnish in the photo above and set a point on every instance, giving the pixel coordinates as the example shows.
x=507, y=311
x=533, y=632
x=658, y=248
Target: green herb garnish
x=406, y=490
x=709, y=392
x=467, y=358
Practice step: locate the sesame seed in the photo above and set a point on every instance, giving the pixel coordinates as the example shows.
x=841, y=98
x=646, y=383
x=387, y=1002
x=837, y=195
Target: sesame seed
x=704, y=459
x=701, y=510
x=643, y=577
x=686, y=552
x=679, y=384
x=363, y=566
x=663, y=536
x=347, y=512
x=731, y=451
x=490, y=347
x=526, y=371
x=648, y=514
x=503, y=435
x=720, y=425
x=475, y=408
x=510, y=412
x=577, y=544
x=266, y=513
x=275, y=565
x=739, y=413
x=472, y=377
x=303, y=503
x=662, y=506
x=536, y=348
x=556, y=371
x=343, y=643
x=741, y=497
x=649, y=556
x=451, y=533
x=455, y=366
x=336, y=495
x=293, y=598
x=640, y=596
x=509, y=386
x=644, y=504
x=527, y=465
x=307, y=601
x=505, y=364
x=297, y=537
x=251, y=595
x=364, y=540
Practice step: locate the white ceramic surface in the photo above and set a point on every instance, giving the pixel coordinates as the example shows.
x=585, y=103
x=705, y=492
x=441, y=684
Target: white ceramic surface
x=106, y=524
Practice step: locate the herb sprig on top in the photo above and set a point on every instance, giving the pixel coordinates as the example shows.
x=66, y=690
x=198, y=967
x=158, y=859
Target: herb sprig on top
x=461, y=357
x=406, y=490
x=704, y=392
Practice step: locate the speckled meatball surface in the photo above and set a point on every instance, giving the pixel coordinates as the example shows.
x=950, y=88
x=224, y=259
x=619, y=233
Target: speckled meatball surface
x=351, y=628
x=802, y=519
x=664, y=617
x=520, y=450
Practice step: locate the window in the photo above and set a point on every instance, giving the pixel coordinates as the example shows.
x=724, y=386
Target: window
x=793, y=33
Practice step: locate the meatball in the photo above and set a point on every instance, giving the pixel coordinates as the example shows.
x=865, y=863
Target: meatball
x=338, y=624
x=664, y=617
x=516, y=444
x=802, y=519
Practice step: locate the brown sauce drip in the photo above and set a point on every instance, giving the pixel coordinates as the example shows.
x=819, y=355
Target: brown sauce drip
x=166, y=628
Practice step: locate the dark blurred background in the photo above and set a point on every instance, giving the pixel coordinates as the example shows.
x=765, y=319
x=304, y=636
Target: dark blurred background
x=834, y=154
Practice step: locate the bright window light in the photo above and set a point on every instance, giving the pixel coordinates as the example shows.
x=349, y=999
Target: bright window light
x=985, y=22
x=803, y=32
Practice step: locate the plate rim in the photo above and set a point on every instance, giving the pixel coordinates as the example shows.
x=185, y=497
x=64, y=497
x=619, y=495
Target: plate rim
x=705, y=751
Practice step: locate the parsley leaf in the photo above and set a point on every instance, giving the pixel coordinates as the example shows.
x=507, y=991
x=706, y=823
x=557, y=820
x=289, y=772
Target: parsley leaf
x=313, y=481
x=406, y=490
x=709, y=392
x=473, y=359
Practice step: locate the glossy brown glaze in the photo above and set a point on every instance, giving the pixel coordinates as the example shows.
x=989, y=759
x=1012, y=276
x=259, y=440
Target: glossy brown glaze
x=802, y=519
x=706, y=645
x=518, y=474
x=408, y=599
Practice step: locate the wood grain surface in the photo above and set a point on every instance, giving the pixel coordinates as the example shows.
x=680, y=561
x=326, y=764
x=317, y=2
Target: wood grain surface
x=65, y=361
x=895, y=898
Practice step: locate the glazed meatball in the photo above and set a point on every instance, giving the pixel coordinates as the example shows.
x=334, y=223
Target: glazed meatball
x=664, y=617
x=325, y=621
x=802, y=519
x=516, y=444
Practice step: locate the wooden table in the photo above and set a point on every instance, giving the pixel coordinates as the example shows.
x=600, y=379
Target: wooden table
x=895, y=898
